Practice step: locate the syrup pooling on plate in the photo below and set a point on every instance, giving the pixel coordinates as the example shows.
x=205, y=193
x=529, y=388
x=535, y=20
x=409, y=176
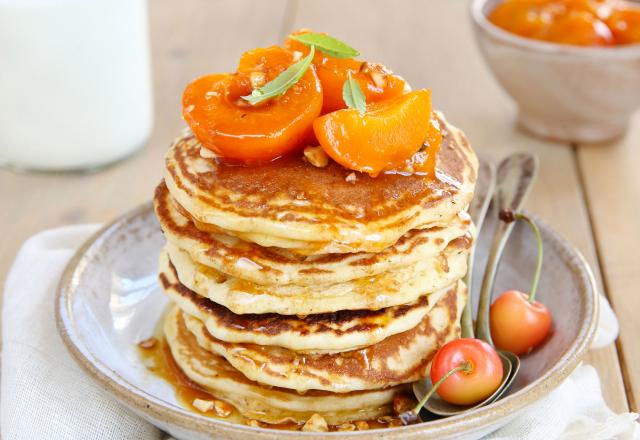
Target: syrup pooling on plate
x=317, y=233
x=160, y=362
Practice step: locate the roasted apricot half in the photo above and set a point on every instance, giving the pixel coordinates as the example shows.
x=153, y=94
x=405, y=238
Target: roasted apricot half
x=377, y=82
x=233, y=128
x=385, y=137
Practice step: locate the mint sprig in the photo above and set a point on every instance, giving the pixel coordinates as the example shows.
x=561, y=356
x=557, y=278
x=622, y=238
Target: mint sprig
x=353, y=96
x=280, y=84
x=326, y=44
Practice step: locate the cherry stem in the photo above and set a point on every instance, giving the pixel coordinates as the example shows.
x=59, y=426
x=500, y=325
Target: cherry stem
x=465, y=367
x=509, y=216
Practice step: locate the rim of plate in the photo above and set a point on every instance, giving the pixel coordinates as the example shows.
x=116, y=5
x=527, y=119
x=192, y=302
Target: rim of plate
x=471, y=421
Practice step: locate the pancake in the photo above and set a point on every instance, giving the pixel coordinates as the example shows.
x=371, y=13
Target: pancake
x=267, y=404
x=329, y=332
x=261, y=265
x=401, y=286
x=399, y=359
x=290, y=202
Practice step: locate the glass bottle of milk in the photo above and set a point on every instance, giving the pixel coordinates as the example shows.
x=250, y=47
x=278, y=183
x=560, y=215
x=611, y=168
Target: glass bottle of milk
x=75, y=83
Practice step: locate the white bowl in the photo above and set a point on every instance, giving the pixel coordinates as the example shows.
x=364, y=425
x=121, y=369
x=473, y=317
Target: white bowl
x=563, y=92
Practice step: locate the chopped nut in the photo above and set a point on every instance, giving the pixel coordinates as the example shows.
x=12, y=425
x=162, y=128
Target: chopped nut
x=257, y=79
x=385, y=419
x=203, y=405
x=223, y=409
x=364, y=67
x=254, y=423
x=376, y=72
x=210, y=94
x=190, y=108
x=148, y=343
x=316, y=156
x=402, y=403
x=361, y=425
x=297, y=55
x=316, y=423
x=379, y=79
x=205, y=153
x=351, y=178
x=346, y=427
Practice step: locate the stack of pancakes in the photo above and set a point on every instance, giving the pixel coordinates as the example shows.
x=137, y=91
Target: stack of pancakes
x=302, y=290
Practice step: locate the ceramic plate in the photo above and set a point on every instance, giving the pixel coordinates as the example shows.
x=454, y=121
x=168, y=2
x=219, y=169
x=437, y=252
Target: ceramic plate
x=109, y=300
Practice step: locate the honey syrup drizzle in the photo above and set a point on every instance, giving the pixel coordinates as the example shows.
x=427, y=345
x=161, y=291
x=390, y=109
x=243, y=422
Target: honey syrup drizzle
x=159, y=361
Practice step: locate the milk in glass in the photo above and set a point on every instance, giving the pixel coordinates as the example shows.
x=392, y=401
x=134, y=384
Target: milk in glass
x=75, y=85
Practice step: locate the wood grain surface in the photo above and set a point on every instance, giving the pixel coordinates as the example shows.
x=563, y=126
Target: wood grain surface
x=588, y=194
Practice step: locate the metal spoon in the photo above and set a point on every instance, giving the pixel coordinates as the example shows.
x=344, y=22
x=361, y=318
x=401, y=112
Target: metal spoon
x=515, y=176
x=477, y=211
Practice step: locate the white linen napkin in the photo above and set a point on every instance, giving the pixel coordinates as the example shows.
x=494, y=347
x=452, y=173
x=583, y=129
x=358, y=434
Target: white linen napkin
x=45, y=395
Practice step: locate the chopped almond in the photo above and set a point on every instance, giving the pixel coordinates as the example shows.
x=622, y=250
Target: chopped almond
x=223, y=409
x=316, y=423
x=148, y=343
x=351, y=178
x=364, y=67
x=203, y=405
x=254, y=423
x=361, y=425
x=379, y=79
x=257, y=79
x=316, y=156
x=346, y=427
x=297, y=55
x=205, y=153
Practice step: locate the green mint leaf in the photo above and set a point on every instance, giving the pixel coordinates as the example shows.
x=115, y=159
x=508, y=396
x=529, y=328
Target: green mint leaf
x=353, y=96
x=327, y=45
x=280, y=84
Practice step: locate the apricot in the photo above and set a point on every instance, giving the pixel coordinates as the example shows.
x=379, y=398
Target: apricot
x=385, y=137
x=576, y=22
x=579, y=28
x=624, y=22
x=377, y=82
x=234, y=129
x=424, y=161
x=527, y=18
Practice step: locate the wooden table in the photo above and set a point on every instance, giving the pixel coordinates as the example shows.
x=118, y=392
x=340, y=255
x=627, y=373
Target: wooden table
x=588, y=194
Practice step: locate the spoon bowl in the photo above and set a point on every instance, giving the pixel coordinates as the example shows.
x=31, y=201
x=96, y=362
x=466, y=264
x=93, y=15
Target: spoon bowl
x=437, y=405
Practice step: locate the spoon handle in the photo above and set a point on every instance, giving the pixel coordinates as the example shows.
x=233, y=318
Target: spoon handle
x=477, y=211
x=514, y=178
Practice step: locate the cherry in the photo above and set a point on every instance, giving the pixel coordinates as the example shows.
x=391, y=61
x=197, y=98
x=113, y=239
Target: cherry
x=463, y=372
x=518, y=322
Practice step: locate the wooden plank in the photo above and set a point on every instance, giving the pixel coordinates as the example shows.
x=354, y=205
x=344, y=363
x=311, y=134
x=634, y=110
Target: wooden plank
x=612, y=186
x=431, y=44
x=188, y=40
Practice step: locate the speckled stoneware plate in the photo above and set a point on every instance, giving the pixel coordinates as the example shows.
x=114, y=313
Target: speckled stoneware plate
x=109, y=300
